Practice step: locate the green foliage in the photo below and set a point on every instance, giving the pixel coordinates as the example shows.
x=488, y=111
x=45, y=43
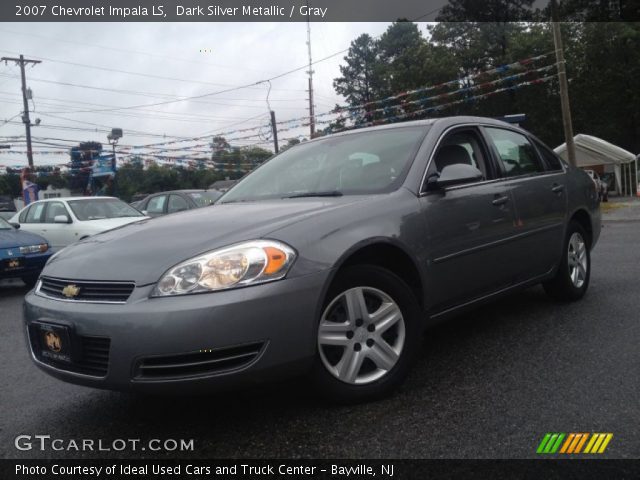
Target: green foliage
x=602, y=59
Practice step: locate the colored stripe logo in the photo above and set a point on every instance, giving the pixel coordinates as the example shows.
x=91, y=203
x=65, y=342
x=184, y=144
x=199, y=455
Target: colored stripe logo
x=573, y=443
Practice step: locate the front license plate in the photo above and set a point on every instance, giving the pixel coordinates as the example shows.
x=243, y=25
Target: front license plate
x=11, y=264
x=55, y=342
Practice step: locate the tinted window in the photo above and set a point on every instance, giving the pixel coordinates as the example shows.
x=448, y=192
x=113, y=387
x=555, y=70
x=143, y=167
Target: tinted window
x=156, y=204
x=53, y=210
x=35, y=213
x=516, y=152
x=551, y=160
x=177, y=204
x=352, y=164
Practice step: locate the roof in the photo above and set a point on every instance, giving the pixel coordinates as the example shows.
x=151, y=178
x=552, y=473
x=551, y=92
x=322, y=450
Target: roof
x=595, y=151
x=75, y=198
x=222, y=183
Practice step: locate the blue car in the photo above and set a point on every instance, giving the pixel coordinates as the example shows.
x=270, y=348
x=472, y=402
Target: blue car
x=22, y=254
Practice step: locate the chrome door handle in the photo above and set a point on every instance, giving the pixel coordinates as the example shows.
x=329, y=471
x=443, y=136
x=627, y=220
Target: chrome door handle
x=557, y=188
x=500, y=200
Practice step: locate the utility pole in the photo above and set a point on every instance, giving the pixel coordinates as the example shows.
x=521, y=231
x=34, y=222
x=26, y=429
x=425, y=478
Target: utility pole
x=25, y=115
x=274, y=130
x=312, y=118
x=564, y=87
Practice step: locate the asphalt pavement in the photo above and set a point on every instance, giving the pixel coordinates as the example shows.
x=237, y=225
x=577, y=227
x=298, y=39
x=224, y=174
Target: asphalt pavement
x=489, y=384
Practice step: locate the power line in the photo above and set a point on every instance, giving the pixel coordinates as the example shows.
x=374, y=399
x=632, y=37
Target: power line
x=205, y=95
x=135, y=52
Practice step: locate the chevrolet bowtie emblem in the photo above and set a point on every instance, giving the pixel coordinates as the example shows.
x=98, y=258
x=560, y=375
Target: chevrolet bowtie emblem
x=70, y=291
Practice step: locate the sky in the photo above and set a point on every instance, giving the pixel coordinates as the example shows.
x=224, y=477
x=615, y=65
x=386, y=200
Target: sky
x=166, y=62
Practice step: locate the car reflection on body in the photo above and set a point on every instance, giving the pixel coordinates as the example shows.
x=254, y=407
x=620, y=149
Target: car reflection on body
x=22, y=254
x=174, y=201
x=63, y=221
x=329, y=260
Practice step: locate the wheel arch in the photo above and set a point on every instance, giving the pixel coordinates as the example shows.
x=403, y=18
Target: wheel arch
x=583, y=218
x=386, y=253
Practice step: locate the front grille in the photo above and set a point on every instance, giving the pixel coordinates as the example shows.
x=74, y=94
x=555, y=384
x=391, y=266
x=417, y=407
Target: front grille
x=90, y=354
x=204, y=362
x=87, y=291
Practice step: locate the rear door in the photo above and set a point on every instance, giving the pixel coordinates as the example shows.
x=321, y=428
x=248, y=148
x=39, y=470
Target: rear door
x=468, y=225
x=31, y=220
x=177, y=204
x=540, y=200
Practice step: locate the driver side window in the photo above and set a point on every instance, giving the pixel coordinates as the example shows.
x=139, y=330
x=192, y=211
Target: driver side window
x=460, y=147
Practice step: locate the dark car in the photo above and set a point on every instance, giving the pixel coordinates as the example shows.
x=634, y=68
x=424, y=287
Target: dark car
x=328, y=260
x=22, y=254
x=7, y=207
x=163, y=203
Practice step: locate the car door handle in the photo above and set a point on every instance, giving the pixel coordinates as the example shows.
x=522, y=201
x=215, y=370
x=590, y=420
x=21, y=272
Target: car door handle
x=556, y=188
x=500, y=200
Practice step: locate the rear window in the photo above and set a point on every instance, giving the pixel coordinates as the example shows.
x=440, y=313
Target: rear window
x=551, y=160
x=516, y=152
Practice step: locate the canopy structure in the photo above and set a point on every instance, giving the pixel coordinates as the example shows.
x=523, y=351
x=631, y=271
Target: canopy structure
x=591, y=151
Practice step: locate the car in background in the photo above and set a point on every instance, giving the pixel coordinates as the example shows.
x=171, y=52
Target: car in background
x=7, y=207
x=63, y=221
x=22, y=254
x=330, y=259
x=163, y=203
x=601, y=186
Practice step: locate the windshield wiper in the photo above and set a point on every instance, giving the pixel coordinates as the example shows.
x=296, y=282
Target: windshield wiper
x=331, y=193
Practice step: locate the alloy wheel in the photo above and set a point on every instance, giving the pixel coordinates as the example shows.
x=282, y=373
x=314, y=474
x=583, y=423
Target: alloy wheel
x=361, y=335
x=577, y=258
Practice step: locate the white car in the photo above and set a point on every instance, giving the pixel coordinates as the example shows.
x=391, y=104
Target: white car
x=63, y=221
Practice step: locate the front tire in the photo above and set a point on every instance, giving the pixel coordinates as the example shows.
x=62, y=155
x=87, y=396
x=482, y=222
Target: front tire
x=574, y=272
x=368, y=335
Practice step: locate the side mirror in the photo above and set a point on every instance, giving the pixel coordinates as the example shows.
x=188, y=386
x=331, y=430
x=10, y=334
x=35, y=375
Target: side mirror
x=61, y=219
x=16, y=226
x=456, y=174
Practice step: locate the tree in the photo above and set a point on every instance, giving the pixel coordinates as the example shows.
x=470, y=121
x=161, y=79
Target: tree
x=361, y=81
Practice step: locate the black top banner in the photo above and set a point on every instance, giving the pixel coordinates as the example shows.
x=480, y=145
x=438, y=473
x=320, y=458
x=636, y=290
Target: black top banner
x=315, y=11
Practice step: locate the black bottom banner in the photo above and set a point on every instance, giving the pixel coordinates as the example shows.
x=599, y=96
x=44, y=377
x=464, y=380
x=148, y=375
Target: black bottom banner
x=317, y=469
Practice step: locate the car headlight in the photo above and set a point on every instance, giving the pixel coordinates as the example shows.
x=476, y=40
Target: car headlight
x=246, y=263
x=41, y=248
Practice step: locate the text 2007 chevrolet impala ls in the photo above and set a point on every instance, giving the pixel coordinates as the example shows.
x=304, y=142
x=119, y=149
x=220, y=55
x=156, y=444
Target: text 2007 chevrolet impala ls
x=328, y=260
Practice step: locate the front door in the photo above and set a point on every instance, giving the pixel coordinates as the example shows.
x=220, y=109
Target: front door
x=468, y=226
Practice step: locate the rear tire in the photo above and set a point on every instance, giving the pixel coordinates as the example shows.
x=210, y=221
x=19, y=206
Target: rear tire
x=574, y=272
x=368, y=335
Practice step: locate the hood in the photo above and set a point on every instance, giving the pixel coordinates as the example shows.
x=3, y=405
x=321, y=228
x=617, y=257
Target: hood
x=144, y=250
x=16, y=238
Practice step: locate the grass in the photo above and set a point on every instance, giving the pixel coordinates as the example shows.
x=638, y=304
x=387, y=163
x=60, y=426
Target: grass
x=607, y=207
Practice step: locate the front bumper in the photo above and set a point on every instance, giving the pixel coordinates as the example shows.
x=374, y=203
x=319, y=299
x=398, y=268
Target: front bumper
x=32, y=265
x=279, y=316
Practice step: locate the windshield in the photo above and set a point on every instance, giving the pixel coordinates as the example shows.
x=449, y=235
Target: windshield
x=4, y=225
x=353, y=164
x=203, y=199
x=101, y=208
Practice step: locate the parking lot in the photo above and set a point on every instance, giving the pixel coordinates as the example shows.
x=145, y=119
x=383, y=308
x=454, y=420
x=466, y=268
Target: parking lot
x=488, y=384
